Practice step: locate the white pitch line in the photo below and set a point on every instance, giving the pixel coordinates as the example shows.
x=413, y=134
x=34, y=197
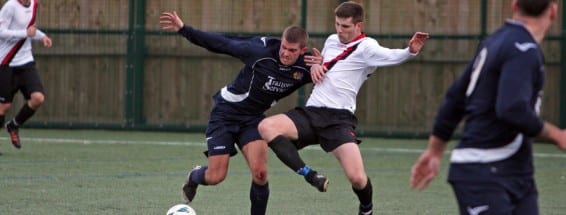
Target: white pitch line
x=192, y=143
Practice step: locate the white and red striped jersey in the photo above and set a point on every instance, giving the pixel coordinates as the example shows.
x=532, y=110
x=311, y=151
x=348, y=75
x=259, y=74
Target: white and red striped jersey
x=15, y=46
x=349, y=65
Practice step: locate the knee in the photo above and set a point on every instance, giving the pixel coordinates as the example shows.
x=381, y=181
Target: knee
x=4, y=108
x=266, y=127
x=36, y=100
x=358, y=181
x=259, y=175
x=214, y=178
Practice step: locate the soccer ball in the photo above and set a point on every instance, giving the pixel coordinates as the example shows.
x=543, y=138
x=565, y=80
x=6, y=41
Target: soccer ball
x=181, y=209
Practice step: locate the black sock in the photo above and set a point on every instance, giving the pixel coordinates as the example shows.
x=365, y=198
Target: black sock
x=259, y=194
x=25, y=113
x=287, y=152
x=197, y=176
x=2, y=118
x=365, y=196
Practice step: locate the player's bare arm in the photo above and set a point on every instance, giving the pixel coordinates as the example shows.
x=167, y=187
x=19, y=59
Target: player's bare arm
x=31, y=30
x=555, y=134
x=317, y=73
x=428, y=165
x=315, y=62
x=46, y=41
x=170, y=21
x=417, y=42
x=315, y=58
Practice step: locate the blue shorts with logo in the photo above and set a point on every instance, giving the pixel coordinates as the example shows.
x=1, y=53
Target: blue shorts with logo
x=225, y=130
x=517, y=196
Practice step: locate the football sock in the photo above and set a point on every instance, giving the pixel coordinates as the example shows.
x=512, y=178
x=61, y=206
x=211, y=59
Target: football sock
x=197, y=176
x=287, y=153
x=305, y=170
x=365, y=196
x=25, y=113
x=2, y=118
x=259, y=194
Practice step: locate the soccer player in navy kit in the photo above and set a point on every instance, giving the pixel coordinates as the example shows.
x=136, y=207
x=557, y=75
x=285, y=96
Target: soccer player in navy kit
x=273, y=69
x=17, y=67
x=499, y=96
x=328, y=118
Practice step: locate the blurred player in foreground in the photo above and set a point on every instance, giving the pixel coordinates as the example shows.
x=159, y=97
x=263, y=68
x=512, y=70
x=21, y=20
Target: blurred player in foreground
x=499, y=96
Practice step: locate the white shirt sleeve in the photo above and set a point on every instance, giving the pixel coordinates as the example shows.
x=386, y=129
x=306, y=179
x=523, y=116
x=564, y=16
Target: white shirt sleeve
x=38, y=35
x=376, y=55
x=6, y=16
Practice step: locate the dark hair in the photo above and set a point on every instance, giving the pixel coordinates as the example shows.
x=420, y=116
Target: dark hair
x=533, y=7
x=296, y=34
x=350, y=9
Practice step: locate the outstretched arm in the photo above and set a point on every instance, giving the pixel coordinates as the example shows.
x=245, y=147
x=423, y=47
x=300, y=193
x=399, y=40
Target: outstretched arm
x=377, y=55
x=555, y=134
x=427, y=166
x=234, y=46
x=315, y=58
x=171, y=21
x=417, y=42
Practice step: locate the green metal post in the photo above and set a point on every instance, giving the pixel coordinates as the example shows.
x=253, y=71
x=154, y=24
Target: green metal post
x=301, y=91
x=562, y=113
x=483, y=19
x=135, y=64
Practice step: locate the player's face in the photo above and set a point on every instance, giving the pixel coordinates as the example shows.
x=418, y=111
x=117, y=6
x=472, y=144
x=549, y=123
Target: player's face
x=290, y=52
x=347, y=30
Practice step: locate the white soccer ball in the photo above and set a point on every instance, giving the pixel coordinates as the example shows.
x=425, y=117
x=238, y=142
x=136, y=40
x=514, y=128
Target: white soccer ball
x=181, y=209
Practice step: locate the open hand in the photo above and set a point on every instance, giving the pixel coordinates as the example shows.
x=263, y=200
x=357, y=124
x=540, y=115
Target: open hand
x=417, y=42
x=315, y=58
x=170, y=21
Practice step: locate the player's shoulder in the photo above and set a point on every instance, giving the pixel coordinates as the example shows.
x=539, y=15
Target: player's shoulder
x=512, y=39
x=516, y=37
x=333, y=38
x=266, y=41
x=11, y=3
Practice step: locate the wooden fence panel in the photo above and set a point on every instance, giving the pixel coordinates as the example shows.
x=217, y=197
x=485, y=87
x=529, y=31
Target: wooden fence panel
x=84, y=72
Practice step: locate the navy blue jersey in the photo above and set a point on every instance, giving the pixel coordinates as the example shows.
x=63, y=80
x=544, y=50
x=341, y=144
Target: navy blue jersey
x=261, y=82
x=498, y=95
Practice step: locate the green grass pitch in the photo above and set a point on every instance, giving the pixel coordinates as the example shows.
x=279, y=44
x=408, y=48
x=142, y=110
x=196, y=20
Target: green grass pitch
x=111, y=172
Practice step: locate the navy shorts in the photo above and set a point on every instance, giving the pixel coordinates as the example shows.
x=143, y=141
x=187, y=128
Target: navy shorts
x=23, y=78
x=224, y=132
x=515, y=196
x=325, y=126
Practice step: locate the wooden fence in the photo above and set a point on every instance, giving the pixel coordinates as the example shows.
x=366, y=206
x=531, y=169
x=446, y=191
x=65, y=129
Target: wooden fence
x=86, y=71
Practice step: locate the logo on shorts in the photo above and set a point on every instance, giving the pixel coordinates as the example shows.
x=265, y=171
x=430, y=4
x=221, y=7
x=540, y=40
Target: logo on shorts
x=478, y=209
x=219, y=147
x=352, y=133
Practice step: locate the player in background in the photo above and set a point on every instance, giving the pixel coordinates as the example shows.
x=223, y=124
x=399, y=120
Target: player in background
x=499, y=96
x=17, y=67
x=328, y=118
x=273, y=69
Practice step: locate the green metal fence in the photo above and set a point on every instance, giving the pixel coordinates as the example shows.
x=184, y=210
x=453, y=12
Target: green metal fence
x=112, y=67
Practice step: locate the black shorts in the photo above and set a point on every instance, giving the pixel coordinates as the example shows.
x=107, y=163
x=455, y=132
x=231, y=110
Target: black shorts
x=325, y=126
x=22, y=78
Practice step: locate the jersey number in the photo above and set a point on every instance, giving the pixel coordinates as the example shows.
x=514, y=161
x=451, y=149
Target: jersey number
x=478, y=66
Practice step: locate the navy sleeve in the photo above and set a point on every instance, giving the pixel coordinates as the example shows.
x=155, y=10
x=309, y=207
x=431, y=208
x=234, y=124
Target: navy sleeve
x=452, y=109
x=515, y=93
x=234, y=46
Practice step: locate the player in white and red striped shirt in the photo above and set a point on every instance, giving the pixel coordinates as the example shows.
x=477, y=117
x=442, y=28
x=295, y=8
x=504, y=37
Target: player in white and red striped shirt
x=328, y=118
x=17, y=67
